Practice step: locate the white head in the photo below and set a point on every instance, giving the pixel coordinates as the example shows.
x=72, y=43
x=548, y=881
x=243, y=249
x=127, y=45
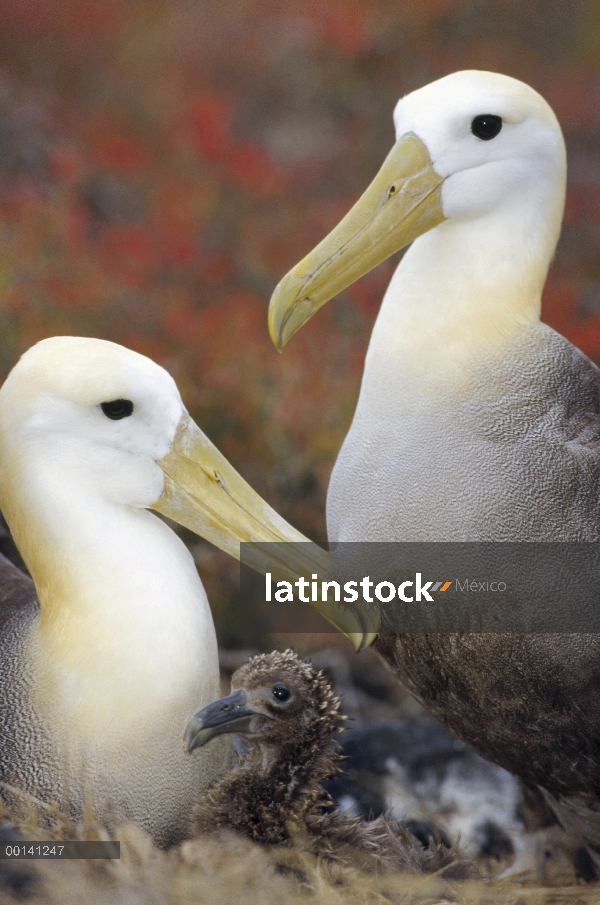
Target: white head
x=494, y=141
x=85, y=422
x=477, y=176
x=102, y=415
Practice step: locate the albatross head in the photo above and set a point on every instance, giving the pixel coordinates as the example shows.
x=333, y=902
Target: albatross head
x=475, y=150
x=113, y=421
x=275, y=699
x=102, y=412
x=105, y=425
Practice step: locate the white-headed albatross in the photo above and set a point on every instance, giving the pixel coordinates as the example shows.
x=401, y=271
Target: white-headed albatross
x=92, y=435
x=475, y=421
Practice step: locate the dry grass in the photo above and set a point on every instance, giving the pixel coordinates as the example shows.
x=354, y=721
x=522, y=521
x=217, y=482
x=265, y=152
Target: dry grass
x=230, y=870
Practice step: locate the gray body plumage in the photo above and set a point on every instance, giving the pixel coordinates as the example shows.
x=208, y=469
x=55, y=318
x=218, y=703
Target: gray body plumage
x=516, y=457
x=24, y=749
x=160, y=791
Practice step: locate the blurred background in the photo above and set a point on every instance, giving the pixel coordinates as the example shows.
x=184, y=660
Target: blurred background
x=163, y=163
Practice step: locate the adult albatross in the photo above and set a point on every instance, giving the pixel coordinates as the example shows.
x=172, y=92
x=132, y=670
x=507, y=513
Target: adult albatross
x=475, y=421
x=92, y=435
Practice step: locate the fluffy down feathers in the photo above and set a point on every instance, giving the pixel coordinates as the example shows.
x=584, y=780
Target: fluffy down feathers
x=274, y=795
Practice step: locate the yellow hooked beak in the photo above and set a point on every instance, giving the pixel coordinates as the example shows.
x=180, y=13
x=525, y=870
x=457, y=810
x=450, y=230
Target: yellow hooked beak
x=204, y=493
x=402, y=203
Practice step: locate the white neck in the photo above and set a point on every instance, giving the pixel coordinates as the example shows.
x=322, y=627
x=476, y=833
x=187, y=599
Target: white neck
x=458, y=297
x=125, y=633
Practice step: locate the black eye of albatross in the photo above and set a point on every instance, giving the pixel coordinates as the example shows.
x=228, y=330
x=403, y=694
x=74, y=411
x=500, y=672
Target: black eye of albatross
x=281, y=693
x=117, y=409
x=486, y=126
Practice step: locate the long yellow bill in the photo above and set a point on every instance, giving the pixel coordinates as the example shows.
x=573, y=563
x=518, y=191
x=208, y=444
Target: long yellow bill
x=402, y=203
x=204, y=493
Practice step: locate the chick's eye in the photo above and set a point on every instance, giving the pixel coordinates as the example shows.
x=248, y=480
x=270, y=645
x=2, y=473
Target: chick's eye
x=117, y=409
x=281, y=692
x=486, y=126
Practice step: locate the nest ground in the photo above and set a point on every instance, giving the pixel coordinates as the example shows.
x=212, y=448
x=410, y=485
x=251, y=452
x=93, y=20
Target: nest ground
x=227, y=869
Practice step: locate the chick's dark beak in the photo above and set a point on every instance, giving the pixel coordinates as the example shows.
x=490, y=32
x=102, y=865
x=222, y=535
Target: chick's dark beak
x=230, y=714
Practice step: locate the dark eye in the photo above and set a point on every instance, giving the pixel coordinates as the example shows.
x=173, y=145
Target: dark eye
x=281, y=692
x=117, y=409
x=486, y=126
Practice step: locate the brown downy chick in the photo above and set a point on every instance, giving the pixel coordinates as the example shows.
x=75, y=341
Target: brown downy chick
x=289, y=714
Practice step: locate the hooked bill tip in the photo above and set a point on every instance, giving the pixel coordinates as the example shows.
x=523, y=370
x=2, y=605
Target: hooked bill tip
x=276, y=334
x=289, y=309
x=366, y=641
x=193, y=735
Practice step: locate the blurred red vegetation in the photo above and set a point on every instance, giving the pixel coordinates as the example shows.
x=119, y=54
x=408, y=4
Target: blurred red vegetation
x=162, y=165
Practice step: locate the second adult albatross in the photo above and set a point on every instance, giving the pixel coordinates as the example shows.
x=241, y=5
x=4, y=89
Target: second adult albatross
x=92, y=435
x=475, y=421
